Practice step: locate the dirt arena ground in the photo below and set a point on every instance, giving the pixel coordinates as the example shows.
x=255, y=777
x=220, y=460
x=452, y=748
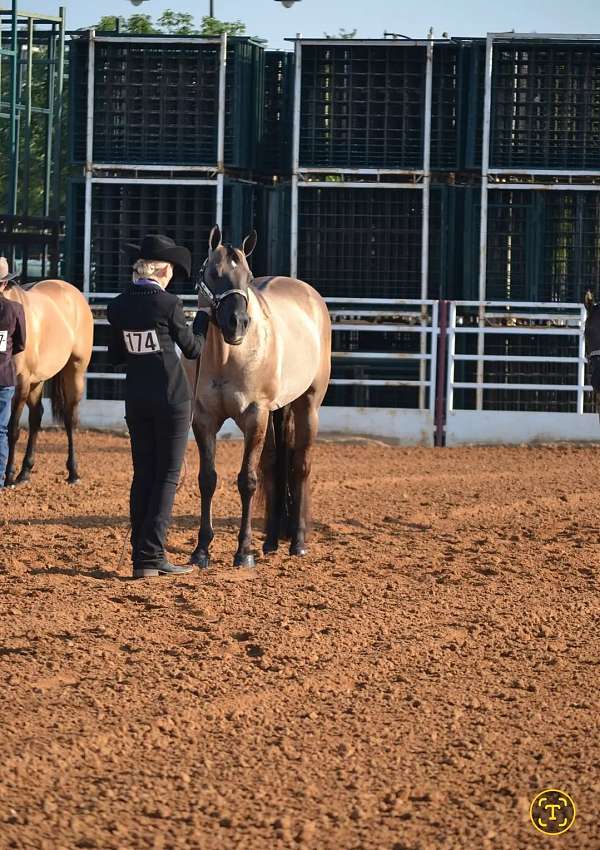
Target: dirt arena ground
x=411, y=685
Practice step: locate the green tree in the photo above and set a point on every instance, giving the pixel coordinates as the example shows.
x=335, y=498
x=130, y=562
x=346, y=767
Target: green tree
x=108, y=23
x=141, y=24
x=213, y=26
x=138, y=24
x=177, y=23
x=171, y=23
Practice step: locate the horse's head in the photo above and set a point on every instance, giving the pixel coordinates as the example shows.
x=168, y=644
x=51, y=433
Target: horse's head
x=592, y=343
x=228, y=277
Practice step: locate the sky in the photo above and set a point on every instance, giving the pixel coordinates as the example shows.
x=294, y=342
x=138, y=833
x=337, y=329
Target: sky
x=312, y=18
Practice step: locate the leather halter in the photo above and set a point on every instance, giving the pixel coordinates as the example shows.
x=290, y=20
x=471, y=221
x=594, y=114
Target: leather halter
x=214, y=299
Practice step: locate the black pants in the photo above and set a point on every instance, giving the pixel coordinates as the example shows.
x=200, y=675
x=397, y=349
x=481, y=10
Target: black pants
x=158, y=442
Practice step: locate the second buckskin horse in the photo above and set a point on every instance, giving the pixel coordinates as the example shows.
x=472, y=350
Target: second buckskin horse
x=266, y=365
x=60, y=332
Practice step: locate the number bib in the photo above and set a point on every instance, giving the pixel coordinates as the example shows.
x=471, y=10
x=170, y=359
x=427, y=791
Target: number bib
x=141, y=342
x=3, y=340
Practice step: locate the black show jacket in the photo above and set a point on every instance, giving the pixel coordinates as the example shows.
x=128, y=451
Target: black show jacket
x=146, y=323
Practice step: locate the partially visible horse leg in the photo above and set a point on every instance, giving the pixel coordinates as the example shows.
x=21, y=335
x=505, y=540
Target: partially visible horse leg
x=254, y=424
x=36, y=411
x=306, y=422
x=268, y=463
x=14, y=428
x=70, y=392
x=206, y=439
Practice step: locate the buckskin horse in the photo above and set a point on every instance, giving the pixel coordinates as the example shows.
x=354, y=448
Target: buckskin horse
x=266, y=365
x=59, y=339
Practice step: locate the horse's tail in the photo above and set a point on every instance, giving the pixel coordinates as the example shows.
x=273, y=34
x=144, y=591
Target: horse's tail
x=276, y=468
x=58, y=398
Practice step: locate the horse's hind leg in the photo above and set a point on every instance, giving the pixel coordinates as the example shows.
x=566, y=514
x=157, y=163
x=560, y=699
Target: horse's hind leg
x=206, y=439
x=268, y=464
x=36, y=411
x=306, y=423
x=72, y=379
x=14, y=428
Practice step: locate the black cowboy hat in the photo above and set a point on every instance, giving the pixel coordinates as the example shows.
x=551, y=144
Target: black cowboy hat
x=161, y=248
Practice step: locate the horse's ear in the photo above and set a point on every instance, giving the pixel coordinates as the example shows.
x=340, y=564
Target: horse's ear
x=249, y=243
x=588, y=300
x=214, y=240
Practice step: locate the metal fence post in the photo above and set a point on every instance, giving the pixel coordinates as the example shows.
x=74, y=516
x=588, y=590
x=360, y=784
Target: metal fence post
x=221, y=130
x=425, y=208
x=485, y=164
x=89, y=166
x=451, y=345
x=581, y=365
x=441, y=374
x=295, y=159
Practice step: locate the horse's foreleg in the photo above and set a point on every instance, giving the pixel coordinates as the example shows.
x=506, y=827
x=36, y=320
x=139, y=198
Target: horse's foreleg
x=14, y=429
x=206, y=440
x=306, y=419
x=36, y=411
x=254, y=425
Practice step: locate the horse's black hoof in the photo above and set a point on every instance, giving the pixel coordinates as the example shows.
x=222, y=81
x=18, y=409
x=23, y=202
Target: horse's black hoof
x=298, y=549
x=244, y=561
x=200, y=559
x=269, y=547
x=73, y=479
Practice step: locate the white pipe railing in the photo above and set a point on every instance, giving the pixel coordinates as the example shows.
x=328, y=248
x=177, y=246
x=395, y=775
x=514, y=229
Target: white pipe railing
x=571, y=318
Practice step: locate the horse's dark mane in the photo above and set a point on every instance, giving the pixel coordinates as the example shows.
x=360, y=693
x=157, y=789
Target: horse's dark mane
x=13, y=283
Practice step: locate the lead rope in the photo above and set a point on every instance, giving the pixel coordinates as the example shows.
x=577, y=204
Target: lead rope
x=195, y=388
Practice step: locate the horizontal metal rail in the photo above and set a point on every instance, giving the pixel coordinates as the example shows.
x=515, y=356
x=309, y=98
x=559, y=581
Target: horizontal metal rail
x=485, y=385
x=155, y=181
x=356, y=184
x=547, y=331
x=521, y=304
x=416, y=302
x=518, y=358
x=382, y=327
x=546, y=187
x=152, y=39
x=328, y=169
x=380, y=355
x=121, y=166
x=549, y=172
x=376, y=382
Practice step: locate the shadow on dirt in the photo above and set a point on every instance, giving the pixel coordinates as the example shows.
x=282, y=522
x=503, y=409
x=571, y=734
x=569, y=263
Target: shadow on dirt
x=101, y=575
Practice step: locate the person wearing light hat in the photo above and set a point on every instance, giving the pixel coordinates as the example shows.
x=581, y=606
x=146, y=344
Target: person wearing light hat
x=12, y=342
x=146, y=323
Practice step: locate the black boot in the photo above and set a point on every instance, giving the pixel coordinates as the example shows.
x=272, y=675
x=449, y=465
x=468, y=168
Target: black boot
x=165, y=568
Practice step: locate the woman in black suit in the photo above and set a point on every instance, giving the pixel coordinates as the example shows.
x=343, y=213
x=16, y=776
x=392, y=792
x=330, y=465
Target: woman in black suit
x=146, y=324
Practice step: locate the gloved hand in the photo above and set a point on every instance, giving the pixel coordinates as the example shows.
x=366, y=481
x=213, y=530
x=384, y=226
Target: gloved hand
x=201, y=320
